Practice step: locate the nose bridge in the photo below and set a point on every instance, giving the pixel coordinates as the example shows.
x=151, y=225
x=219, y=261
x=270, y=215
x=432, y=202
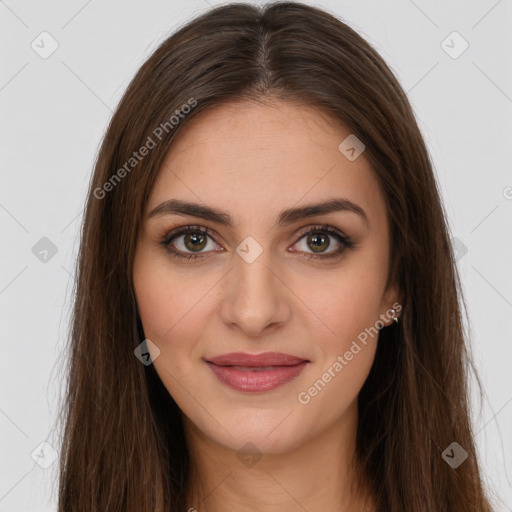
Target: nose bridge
x=254, y=297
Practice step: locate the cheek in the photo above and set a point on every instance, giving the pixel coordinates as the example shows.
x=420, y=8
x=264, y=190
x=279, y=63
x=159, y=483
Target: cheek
x=167, y=316
x=350, y=309
x=349, y=302
x=163, y=297
x=174, y=313
x=154, y=304
x=163, y=294
x=172, y=318
x=346, y=353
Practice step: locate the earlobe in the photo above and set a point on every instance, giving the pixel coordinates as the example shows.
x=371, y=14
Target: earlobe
x=393, y=297
x=392, y=304
x=397, y=306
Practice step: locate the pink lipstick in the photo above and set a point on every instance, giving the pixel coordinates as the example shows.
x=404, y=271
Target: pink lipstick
x=255, y=373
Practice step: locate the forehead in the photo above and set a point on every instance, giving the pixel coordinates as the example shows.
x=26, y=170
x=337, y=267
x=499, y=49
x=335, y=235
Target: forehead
x=252, y=158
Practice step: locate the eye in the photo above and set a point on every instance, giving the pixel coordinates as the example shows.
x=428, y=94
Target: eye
x=191, y=242
x=193, y=239
x=318, y=240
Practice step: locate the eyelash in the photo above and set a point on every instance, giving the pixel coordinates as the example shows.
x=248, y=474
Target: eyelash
x=345, y=241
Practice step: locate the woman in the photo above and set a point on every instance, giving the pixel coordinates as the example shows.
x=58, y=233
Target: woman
x=266, y=312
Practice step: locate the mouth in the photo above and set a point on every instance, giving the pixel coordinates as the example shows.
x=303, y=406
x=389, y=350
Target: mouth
x=256, y=373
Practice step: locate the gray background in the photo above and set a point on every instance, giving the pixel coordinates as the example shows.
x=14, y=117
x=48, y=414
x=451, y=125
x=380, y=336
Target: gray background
x=54, y=112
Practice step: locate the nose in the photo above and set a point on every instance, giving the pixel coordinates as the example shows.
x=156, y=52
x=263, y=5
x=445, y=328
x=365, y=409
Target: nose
x=255, y=297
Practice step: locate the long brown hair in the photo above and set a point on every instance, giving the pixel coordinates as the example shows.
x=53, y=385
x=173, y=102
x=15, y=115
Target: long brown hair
x=123, y=446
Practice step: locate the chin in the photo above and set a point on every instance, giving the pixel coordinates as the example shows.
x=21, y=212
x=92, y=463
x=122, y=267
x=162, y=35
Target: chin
x=269, y=434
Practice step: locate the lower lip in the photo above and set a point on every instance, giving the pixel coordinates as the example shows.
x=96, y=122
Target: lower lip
x=256, y=380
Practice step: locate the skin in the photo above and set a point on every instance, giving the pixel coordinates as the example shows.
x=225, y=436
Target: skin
x=253, y=161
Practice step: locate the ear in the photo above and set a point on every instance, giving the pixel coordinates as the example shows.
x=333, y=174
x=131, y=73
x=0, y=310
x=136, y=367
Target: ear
x=392, y=297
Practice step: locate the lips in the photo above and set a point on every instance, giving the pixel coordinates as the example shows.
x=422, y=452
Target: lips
x=261, y=372
x=258, y=360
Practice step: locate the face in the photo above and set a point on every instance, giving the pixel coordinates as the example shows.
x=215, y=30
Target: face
x=249, y=270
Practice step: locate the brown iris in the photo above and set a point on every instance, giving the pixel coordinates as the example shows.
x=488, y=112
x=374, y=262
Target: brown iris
x=315, y=238
x=196, y=239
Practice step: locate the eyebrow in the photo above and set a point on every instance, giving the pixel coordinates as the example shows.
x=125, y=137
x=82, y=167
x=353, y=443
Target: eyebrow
x=288, y=216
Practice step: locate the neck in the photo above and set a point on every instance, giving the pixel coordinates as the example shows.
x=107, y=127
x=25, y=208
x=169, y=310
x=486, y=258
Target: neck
x=317, y=475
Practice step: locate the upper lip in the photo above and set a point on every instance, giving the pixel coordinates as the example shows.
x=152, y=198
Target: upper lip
x=256, y=360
